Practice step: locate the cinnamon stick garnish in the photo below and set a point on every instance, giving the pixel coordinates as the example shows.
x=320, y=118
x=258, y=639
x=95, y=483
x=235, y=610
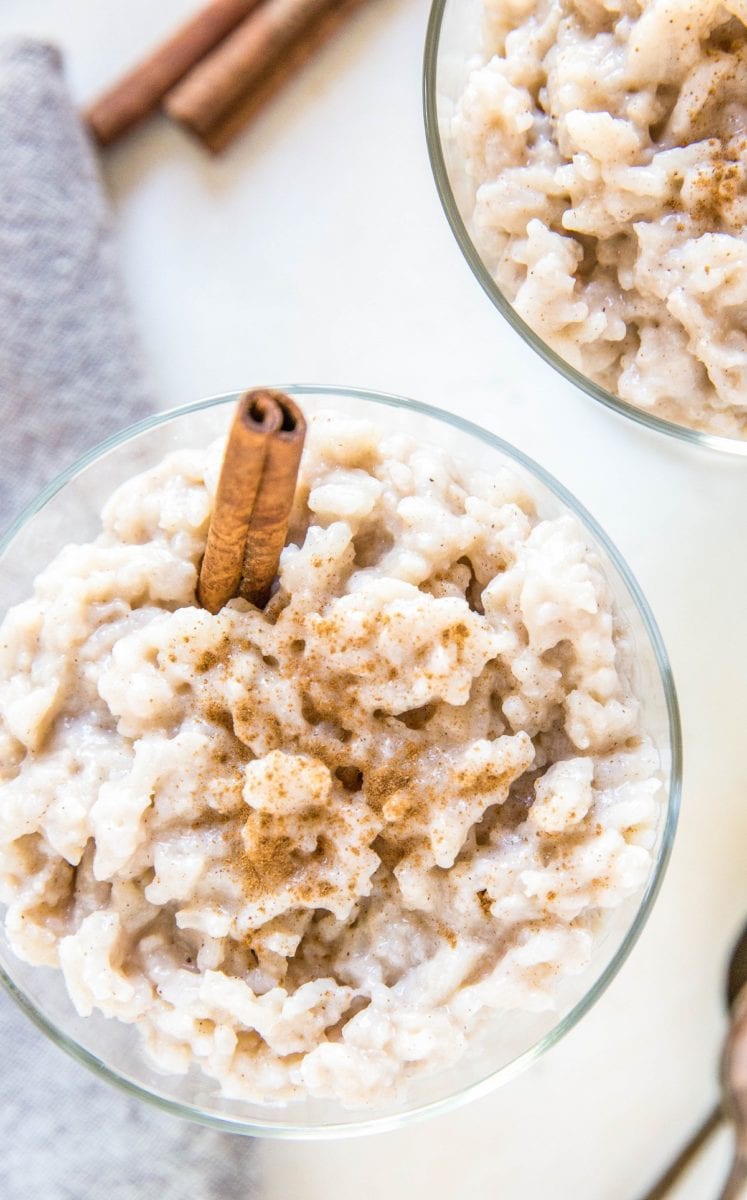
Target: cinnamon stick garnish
x=141, y=90
x=208, y=95
x=223, y=131
x=256, y=417
x=268, y=527
x=253, y=500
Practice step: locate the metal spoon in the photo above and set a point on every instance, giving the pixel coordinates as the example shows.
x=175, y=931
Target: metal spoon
x=733, y=1103
x=734, y=1074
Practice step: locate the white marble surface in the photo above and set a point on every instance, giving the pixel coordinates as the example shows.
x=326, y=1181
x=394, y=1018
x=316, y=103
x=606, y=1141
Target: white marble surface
x=317, y=250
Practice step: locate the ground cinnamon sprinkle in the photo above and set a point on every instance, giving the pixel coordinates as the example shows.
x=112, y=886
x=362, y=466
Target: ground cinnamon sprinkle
x=455, y=633
x=447, y=934
x=717, y=188
x=267, y=854
x=219, y=715
x=264, y=850
x=273, y=861
x=381, y=782
x=219, y=655
x=483, y=782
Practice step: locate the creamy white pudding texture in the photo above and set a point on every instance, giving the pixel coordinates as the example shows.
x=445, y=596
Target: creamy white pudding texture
x=310, y=849
x=605, y=142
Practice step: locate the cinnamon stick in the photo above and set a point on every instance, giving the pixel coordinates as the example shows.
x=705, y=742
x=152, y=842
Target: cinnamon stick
x=226, y=128
x=253, y=500
x=256, y=417
x=226, y=76
x=268, y=527
x=141, y=90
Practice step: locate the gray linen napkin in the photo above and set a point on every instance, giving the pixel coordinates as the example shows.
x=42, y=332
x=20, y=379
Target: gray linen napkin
x=69, y=372
x=68, y=377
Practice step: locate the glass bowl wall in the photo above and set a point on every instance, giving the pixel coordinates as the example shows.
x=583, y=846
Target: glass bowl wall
x=69, y=511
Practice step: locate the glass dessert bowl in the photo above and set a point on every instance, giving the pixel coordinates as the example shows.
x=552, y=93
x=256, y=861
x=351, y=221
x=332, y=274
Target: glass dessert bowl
x=501, y=1044
x=603, y=286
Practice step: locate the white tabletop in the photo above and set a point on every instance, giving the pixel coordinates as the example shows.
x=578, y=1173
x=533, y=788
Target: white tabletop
x=316, y=250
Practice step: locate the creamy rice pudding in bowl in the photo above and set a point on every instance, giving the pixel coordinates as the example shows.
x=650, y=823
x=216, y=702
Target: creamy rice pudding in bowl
x=591, y=157
x=324, y=867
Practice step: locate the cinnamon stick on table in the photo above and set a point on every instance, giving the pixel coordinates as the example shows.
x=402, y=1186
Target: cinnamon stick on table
x=276, y=33
x=141, y=90
x=253, y=500
x=223, y=131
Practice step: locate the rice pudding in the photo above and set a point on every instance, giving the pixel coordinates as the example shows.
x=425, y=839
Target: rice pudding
x=311, y=849
x=605, y=145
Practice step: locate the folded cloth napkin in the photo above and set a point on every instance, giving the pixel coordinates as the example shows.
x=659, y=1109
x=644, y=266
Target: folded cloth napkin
x=65, y=1135
x=69, y=372
x=69, y=376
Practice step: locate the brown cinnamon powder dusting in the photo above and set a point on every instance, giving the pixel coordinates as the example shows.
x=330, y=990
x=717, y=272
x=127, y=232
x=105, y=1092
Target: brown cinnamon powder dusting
x=484, y=782
x=219, y=655
x=268, y=857
x=379, y=783
x=716, y=189
x=219, y=715
x=447, y=934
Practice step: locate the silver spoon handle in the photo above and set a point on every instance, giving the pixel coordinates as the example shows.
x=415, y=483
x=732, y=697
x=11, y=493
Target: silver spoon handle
x=734, y=1075
x=678, y=1165
x=735, y=1184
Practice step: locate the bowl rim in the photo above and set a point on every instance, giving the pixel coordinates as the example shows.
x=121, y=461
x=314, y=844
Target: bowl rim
x=486, y=1084
x=486, y=281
